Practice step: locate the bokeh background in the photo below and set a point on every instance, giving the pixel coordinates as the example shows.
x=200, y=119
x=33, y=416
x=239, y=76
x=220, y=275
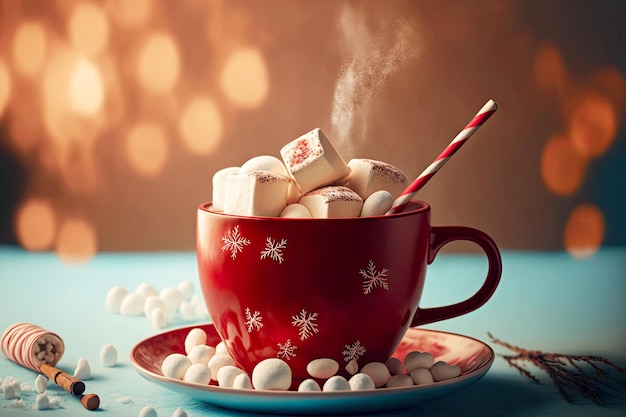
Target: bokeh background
x=115, y=114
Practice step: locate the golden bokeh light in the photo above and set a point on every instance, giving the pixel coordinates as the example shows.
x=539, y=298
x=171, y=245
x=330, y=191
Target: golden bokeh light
x=244, y=78
x=201, y=126
x=584, y=231
x=77, y=241
x=56, y=103
x=593, y=125
x=549, y=70
x=86, y=88
x=29, y=48
x=562, y=166
x=147, y=148
x=5, y=87
x=158, y=64
x=129, y=13
x=88, y=28
x=35, y=224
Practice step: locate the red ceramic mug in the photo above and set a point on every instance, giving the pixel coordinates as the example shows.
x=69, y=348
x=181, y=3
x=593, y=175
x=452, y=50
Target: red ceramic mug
x=343, y=288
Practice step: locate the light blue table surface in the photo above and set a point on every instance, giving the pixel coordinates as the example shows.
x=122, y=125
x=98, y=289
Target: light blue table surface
x=546, y=301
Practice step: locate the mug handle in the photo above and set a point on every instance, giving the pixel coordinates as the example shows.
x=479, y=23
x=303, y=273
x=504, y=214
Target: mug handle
x=439, y=237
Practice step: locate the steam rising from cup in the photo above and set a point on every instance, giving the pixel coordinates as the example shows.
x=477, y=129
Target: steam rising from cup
x=377, y=47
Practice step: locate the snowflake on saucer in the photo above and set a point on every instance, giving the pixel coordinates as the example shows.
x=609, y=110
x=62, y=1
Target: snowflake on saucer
x=234, y=242
x=286, y=350
x=373, y=278
x=274, y=250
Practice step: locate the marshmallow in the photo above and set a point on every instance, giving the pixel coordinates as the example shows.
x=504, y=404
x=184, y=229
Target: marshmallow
x=175, y=365
x=309, y=385
x=179, y=412
x=148, y=411
x=198, y=373
x=221, y=349
x=114, y=298
x=414, y=360
x=42, y=402
x=399, y=381
x=146, y=289
x=361, y=381
x=271, y=374
x=172, y=297
x=201, y=354
x=226, y=375
x=242, y=381
x=296, y=211
x=377, y=204
x=108, y=356
x=378, y=372
x=256, y=193
x=395, y=366
x=368, y=176
x=132, y=304
x=40, y=383
x=83, y=370
x=322, y=368
x=422, y=376
x=219, y=187
x=153, y=302
x=441, y=371
x=195, y=337
x=332, y=201
x=264, y=163
x=217, y=361
x=313, y=161
x=336, y=383
x=159, y=318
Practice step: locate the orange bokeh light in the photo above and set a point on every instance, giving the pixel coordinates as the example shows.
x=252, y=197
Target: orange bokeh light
x=86, y=88
x=147, y=148
x=77, y=241
x=35, y=224
x=244, y=78
x=5, y=87
x=549, y=70
x=200, y=126
x=584, y=231
x=158, y=64
x=129, y=13
x=610, y=81
x=88, y=28
x=562, y=166
x=29, y=48
x=593, y=125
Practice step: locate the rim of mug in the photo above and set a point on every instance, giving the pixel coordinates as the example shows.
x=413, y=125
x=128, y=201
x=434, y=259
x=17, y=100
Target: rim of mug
x=422, y=206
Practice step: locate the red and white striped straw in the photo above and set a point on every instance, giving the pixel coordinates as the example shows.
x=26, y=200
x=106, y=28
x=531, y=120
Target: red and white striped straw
x=481, y=117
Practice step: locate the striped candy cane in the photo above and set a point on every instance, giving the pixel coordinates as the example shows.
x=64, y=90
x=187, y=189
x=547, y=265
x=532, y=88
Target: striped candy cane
x=481, y=117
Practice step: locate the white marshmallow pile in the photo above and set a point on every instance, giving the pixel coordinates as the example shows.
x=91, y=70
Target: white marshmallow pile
x=160, y=307
x=202, y=364
x=13, y=389
x=311, y=181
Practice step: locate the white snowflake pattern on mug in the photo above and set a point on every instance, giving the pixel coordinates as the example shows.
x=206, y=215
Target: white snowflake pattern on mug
x=286, y=350
x=274, y=250
x=353, y=351
x=253, y=320
x=373, y=278
x=305, y=322
x=234, y=242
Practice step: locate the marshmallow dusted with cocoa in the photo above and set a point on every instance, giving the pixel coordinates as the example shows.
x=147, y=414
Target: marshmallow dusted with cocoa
x=332, y=201
x=256, y=193
x=368, y=176
x=313, y=161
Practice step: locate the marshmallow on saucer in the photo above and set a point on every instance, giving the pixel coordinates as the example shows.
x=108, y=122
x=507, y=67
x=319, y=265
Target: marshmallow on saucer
x=219, y=187
x=368, y=176
x=256, y=193
x=332, y=201
x=313, y=161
